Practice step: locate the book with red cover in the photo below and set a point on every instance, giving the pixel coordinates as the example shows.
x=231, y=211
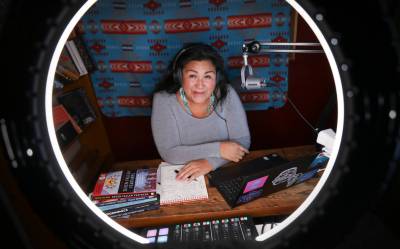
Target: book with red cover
x=109, y=202
x=125, y=183
x=61, y=116
x=77, y=103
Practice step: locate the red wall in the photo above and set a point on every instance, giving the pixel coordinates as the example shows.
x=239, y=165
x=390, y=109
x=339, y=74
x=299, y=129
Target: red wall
x=310, y=86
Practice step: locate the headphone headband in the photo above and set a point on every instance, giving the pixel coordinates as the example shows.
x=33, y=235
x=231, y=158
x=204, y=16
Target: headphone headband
x=177, y=57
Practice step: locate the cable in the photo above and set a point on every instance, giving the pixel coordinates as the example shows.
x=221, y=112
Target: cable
x=226, y=123
x=315, y=130
x=255, y=82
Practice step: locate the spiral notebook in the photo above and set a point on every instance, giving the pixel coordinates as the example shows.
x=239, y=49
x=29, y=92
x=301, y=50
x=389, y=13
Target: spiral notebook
x=172, y=191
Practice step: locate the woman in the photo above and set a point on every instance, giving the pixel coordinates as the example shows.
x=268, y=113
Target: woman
x=197, y=117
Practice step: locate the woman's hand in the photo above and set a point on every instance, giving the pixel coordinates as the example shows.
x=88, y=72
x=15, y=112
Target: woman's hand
x=232, y=151
x=194, y=169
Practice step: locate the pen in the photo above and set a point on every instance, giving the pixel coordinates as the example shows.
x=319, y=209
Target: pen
x=177, y=171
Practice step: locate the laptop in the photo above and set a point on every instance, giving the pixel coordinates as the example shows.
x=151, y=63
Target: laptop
x=264, y=175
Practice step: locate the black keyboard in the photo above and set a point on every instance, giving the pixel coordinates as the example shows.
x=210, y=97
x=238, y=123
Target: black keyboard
x=230, y=189
x=236, y=228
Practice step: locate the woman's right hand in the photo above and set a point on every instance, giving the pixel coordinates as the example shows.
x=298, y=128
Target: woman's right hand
x=232, y=151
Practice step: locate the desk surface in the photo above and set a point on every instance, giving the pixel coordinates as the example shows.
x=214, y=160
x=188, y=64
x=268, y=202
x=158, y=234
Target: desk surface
x=283, y=202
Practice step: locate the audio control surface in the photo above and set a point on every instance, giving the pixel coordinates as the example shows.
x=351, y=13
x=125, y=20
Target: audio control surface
x=235, y=228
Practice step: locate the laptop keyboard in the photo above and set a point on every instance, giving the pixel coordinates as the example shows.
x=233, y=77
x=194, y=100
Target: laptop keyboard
x=229, y=189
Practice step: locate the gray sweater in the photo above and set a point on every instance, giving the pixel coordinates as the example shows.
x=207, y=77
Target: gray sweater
x=181, y=138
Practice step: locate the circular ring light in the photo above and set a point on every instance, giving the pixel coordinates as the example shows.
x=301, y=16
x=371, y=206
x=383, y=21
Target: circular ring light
x=338, y=84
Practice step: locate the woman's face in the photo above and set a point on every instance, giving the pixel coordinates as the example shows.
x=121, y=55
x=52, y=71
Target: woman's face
x=199, y=80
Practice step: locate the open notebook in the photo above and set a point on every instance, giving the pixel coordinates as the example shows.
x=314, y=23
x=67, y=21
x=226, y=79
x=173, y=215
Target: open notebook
x=172, y=191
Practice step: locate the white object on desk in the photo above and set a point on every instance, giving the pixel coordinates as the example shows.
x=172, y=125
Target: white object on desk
x=326, y=138
x=172, y=191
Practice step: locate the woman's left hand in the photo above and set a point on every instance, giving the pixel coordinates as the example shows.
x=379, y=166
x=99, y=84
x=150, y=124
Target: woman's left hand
x=194, y=169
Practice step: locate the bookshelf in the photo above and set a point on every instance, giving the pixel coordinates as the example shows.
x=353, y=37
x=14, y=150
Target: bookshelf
x=88, y=153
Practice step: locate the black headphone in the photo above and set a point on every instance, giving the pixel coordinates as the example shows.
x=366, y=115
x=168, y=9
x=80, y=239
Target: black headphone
x=177, y=71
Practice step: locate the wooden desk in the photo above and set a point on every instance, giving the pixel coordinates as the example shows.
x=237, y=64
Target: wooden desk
x=280, y=203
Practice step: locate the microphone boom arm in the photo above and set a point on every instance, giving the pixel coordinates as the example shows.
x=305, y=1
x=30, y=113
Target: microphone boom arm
x=255, y=47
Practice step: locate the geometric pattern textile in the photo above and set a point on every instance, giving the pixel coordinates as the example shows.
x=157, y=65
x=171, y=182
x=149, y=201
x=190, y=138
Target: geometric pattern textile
x=132, y=42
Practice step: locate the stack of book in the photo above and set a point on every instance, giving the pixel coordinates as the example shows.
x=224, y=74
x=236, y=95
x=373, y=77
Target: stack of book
x=125, y=192
x=80, y=55
x=66, y=70
x=74, y=61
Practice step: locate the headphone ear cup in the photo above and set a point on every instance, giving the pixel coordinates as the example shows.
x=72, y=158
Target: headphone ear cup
x=177, y=72
x=177, y=75
x=218, y=77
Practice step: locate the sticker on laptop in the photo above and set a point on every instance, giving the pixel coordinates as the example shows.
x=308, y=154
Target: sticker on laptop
x=289, y=176
x=249, y=196
x=255, y=184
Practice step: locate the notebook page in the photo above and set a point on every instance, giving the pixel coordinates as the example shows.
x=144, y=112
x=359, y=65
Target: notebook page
x=173, y=191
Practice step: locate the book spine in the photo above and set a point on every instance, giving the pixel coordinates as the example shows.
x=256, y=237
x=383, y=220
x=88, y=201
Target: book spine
x=133, y=210
x=99, y=185
x=122, y=195
x=121, y=200
x=76, y=57
x=84, y=53
x=66, y=60
x=125, y=180
x=126, y=204
x=132, y=207
x=125, y=174
x=66, y=72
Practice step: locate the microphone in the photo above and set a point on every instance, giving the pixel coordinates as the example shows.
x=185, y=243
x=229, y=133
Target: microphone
x=250, y=82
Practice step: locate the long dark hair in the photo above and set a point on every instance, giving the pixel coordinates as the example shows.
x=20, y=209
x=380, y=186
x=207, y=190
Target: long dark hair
x=172, y=80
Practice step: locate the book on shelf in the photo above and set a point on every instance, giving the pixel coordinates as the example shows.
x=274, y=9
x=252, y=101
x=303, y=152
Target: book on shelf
x=64, y=80
x=174, y=192
x=66, y=133
x=66, y=72
x=80, y=55
x=125, y=183
x=76, y=57
x=84, y=53
x=61, y=116
x=78, y=106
